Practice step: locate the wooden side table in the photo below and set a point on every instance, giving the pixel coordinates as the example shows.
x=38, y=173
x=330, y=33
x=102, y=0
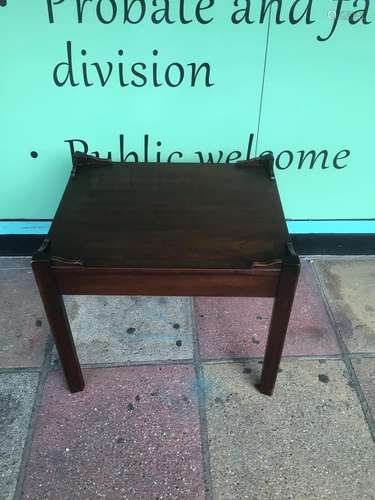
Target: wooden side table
x=163, y=229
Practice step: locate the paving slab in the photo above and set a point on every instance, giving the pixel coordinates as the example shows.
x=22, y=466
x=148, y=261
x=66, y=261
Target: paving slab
x=17, y=394
x=238, y=327
x=23, y=325
x=121, y=329
x=15, y=262
x=349, y=285
x=365, y=370
x=132, y=434
x=310, y=440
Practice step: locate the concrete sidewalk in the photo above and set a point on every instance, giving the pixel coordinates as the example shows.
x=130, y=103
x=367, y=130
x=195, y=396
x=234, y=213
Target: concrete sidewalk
x=170, y=410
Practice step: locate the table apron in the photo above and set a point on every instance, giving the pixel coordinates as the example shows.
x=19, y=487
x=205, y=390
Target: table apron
x=216, y=283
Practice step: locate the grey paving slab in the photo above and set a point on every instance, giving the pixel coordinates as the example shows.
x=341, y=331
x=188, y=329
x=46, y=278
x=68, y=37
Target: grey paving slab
x=120, y=329
x=310, y=440
x=15, y=262
x=365, y=370
x=17, y=394
x=23, y=327
x=350, y=289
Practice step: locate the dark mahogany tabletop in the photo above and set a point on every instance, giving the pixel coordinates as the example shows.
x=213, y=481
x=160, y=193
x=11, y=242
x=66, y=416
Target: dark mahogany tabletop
x=220, y=216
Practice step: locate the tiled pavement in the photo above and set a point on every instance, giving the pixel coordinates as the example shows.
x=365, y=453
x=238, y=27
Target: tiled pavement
x=170, y=410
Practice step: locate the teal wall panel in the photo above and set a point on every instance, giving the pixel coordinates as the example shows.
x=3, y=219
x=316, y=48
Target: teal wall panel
x=306, y=95
x=320, y=96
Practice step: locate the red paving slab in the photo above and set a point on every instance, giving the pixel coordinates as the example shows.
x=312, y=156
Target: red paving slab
x=132, y=434
x=236, y=327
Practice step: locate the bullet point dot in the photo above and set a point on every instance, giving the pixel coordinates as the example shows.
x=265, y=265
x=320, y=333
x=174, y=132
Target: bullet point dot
x=34, y=154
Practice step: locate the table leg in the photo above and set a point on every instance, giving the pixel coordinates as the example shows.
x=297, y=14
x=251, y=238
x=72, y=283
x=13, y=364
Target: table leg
x=279, y=323
x=59, y=323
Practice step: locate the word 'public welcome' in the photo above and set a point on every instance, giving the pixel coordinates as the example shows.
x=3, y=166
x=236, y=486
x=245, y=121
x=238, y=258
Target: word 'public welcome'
x=153, y=150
